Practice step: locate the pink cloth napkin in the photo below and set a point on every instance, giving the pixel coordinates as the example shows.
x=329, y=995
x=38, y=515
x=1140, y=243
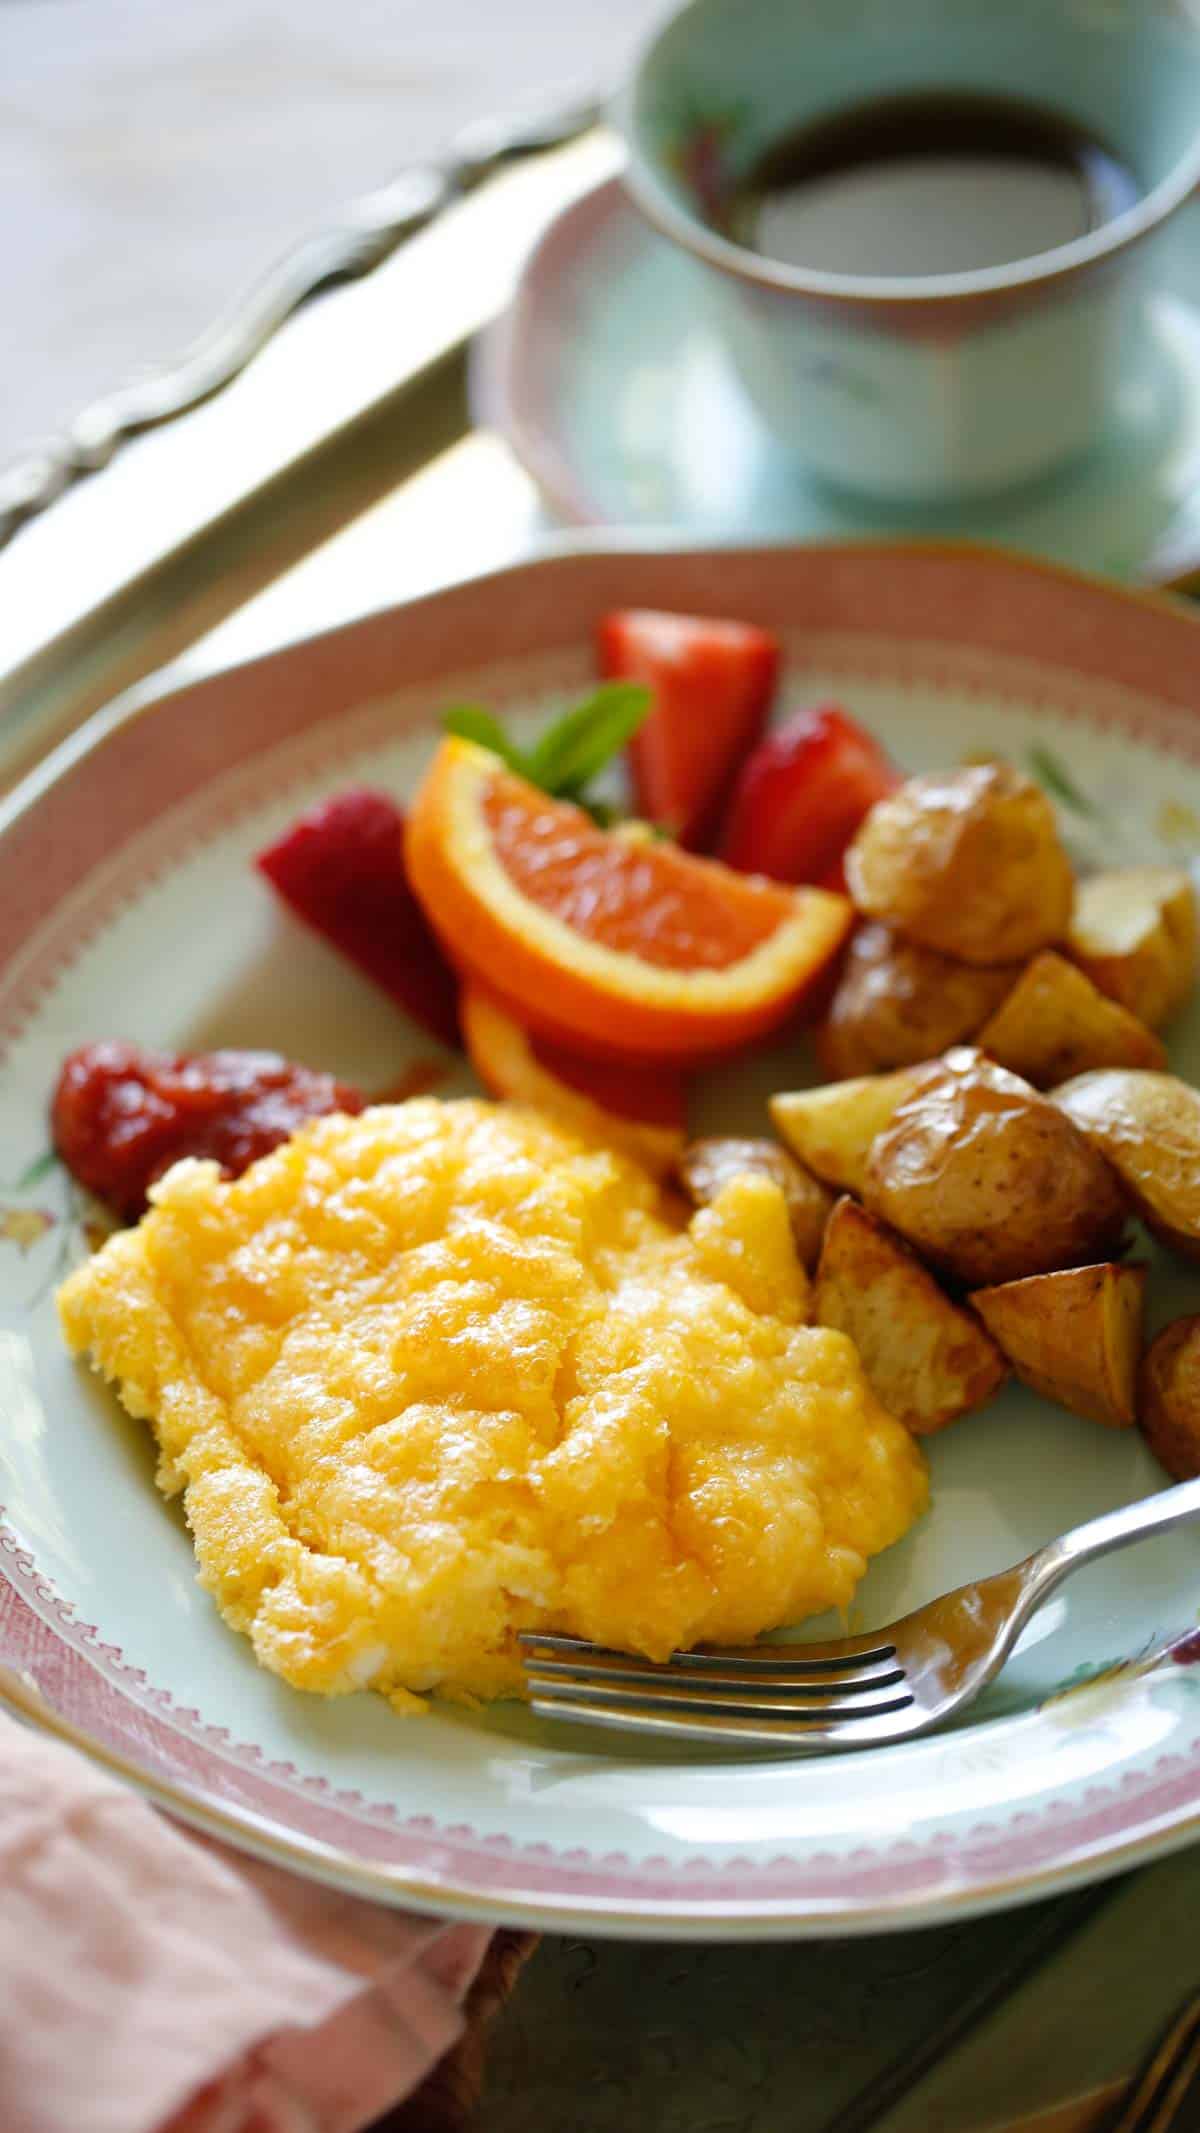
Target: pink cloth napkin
x=153, y=1982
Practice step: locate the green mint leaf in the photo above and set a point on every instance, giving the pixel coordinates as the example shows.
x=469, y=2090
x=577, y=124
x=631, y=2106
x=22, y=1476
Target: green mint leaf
x=470, y=722
x=1051, y=772
x=40, y=1167
x=577, y=746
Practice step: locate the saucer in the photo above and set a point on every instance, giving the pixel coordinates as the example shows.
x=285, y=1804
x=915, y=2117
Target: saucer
x=615, y=392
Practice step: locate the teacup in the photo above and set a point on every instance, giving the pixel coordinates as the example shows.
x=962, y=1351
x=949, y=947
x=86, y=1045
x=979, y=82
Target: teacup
x=934, y=386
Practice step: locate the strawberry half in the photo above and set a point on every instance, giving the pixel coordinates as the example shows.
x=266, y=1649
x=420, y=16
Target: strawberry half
x=341, y=869
x=712, y=684
x=801, y=796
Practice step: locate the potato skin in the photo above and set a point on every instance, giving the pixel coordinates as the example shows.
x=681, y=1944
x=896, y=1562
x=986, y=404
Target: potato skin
x=706, y=1166
x=1134, y=931
x=897, y=1003
x=928, y=1359
x=831, y=1128
x=1055, y=1024
x=1148, y=1127
x=1075, y=1336
x=976, y=1171
x=965, y=861
x=1169, y=1398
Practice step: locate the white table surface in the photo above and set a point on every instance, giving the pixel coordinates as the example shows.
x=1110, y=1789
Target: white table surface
x=156, y=154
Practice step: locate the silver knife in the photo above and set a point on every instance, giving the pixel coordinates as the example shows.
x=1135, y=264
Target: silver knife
x=367, y=233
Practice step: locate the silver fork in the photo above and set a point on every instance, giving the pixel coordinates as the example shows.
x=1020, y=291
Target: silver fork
x=861, y=1692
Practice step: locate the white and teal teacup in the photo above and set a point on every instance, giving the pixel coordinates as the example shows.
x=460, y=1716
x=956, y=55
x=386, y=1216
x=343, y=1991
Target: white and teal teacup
x=930, y=385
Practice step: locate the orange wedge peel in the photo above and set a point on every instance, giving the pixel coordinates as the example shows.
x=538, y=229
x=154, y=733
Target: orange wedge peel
x=610, y=941
x=638, y=1110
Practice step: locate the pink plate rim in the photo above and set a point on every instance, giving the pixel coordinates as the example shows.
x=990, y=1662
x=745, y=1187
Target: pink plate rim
x=1132, y=658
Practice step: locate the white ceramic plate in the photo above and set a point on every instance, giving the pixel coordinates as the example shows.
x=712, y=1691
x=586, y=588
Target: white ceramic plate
x=128, y=906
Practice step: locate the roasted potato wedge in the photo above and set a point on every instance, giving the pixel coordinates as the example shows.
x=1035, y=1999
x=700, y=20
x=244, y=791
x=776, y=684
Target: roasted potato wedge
x=1054, y=1023
x=896, y=1004
x=928, y=1360
x=705, y=1167
x=965, y=861
x=975, y=1171
x=831, y=1128
x=1134, y=932
x=1169, y=1398
x=1075, y=1337
x=1148, y=1126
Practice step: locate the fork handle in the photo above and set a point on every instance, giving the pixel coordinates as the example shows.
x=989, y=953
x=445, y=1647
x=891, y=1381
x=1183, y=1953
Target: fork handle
x=1113, y=1529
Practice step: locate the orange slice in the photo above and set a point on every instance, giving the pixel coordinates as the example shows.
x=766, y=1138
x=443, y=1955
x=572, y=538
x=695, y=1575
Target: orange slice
x=608, y=940
x=639, y=1110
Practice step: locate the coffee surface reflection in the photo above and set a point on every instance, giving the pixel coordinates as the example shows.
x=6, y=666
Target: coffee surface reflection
x=937, y=183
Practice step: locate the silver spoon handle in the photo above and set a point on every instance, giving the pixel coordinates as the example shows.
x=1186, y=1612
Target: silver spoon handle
x=371, y=228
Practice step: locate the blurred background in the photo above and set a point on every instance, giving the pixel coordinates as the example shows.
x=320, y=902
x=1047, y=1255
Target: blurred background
x=156, y=154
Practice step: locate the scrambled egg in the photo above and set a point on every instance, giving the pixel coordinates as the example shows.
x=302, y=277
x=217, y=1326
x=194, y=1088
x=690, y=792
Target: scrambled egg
x=441, y=1372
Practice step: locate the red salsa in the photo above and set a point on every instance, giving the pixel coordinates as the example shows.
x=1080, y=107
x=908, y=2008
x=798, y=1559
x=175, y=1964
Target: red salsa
x=122, y=1115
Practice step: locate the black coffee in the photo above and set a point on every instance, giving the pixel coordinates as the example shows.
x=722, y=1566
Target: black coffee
x=937, y=183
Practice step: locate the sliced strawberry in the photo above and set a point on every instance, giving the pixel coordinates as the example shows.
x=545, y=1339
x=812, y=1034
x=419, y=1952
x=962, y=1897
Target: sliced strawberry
x=712, y=683
x=834, y=877
x=802, y=795
x=341, y=869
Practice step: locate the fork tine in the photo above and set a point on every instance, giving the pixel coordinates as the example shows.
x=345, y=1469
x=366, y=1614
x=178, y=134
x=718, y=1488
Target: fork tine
x=596, y=1666
x=667, y=1695
x=751, y=1656
x=787, y=1735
